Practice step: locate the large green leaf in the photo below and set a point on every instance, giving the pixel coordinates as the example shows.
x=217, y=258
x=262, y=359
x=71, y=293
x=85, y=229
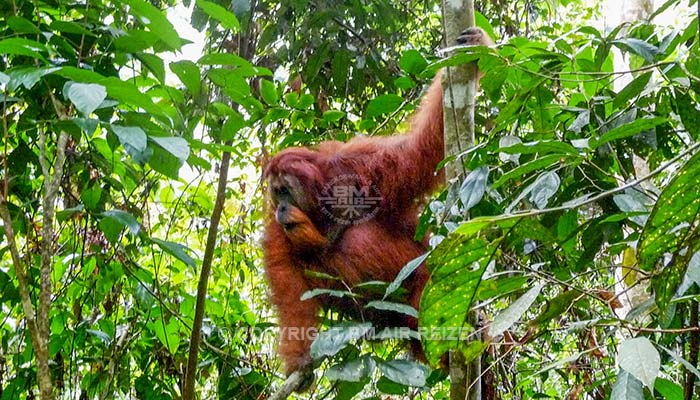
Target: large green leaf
x=384, y=104
x=156, y=21
x=22, y=47
x=457, y=266
x=405, y=372
x=227, y=19
x=627, y=387
x=189, y=75
x=176, y=250
x=627, y=130
x=176, y=146
x=674, y=216
x=353, y=371
x=337, y=337
x=514, y=312
x=86, y=97
x=641, y=359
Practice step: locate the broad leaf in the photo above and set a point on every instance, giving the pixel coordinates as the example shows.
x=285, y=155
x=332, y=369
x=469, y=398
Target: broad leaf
x=156, y=21
x=353, y=371
x=504, y=320
x=176, y=146
x=395, y=307
x=86, y=97
x=131, y=136
x=405, y=372
x=474, y=187
x=176, y=250
x=456, y=267
x=189, y=75
x=384, y=104
x=627, y=130
x=337, y=337
x=627, y=387
x=675, y=214
x=227, y=19
x=641, y=359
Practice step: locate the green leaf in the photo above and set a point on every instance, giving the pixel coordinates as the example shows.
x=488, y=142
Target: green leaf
x=639, y=47
x=631, y=90
x=395, y=307
x=627, y=387
x=473, y=188
x=352, y=371
x=155, y=64
x=269, y=92
x=309, y=294
x=176, y=146
x=22, y=25
x=156, y=22
x=337, y=337
x=128, y=94
x=541, y=163
x=168, y=334
x=412, y=62
x=333, y=115
x=28, y=77
x=22, y=47
x=90, y=197
x=176, y=250
x=545, y=186
x=690, y=115
x=641, y=359
x=670, y=390
x=86, y=97
x=125, y=219
x=384, y=104
x=189, y=75
x=227, y=19
x=677, y=209
x=506, y=318
x=405, y=272
x=131, y=136
x=70, y=27
x=456, y=267
x=541, y=147
x=627, y=130
x=404, y=372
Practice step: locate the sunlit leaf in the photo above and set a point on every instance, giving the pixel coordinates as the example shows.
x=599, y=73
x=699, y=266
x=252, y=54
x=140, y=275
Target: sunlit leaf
x=352, y=371
x=506, y=318
x=227, y=19
x=473, y=188
x=384, y=104
x=395, y=307
x=337, y=337
x=176, y=146
x=641, y=359
x=627, y=387
x=86, y=97
x=627, y=130
x=176, y=250
x=405, y=372
x=156, y=21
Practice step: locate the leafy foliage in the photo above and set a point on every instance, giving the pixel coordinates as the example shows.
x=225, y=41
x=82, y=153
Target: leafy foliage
x=583, y=196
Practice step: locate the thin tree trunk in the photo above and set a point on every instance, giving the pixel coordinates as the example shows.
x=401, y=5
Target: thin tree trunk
x=459, y=88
